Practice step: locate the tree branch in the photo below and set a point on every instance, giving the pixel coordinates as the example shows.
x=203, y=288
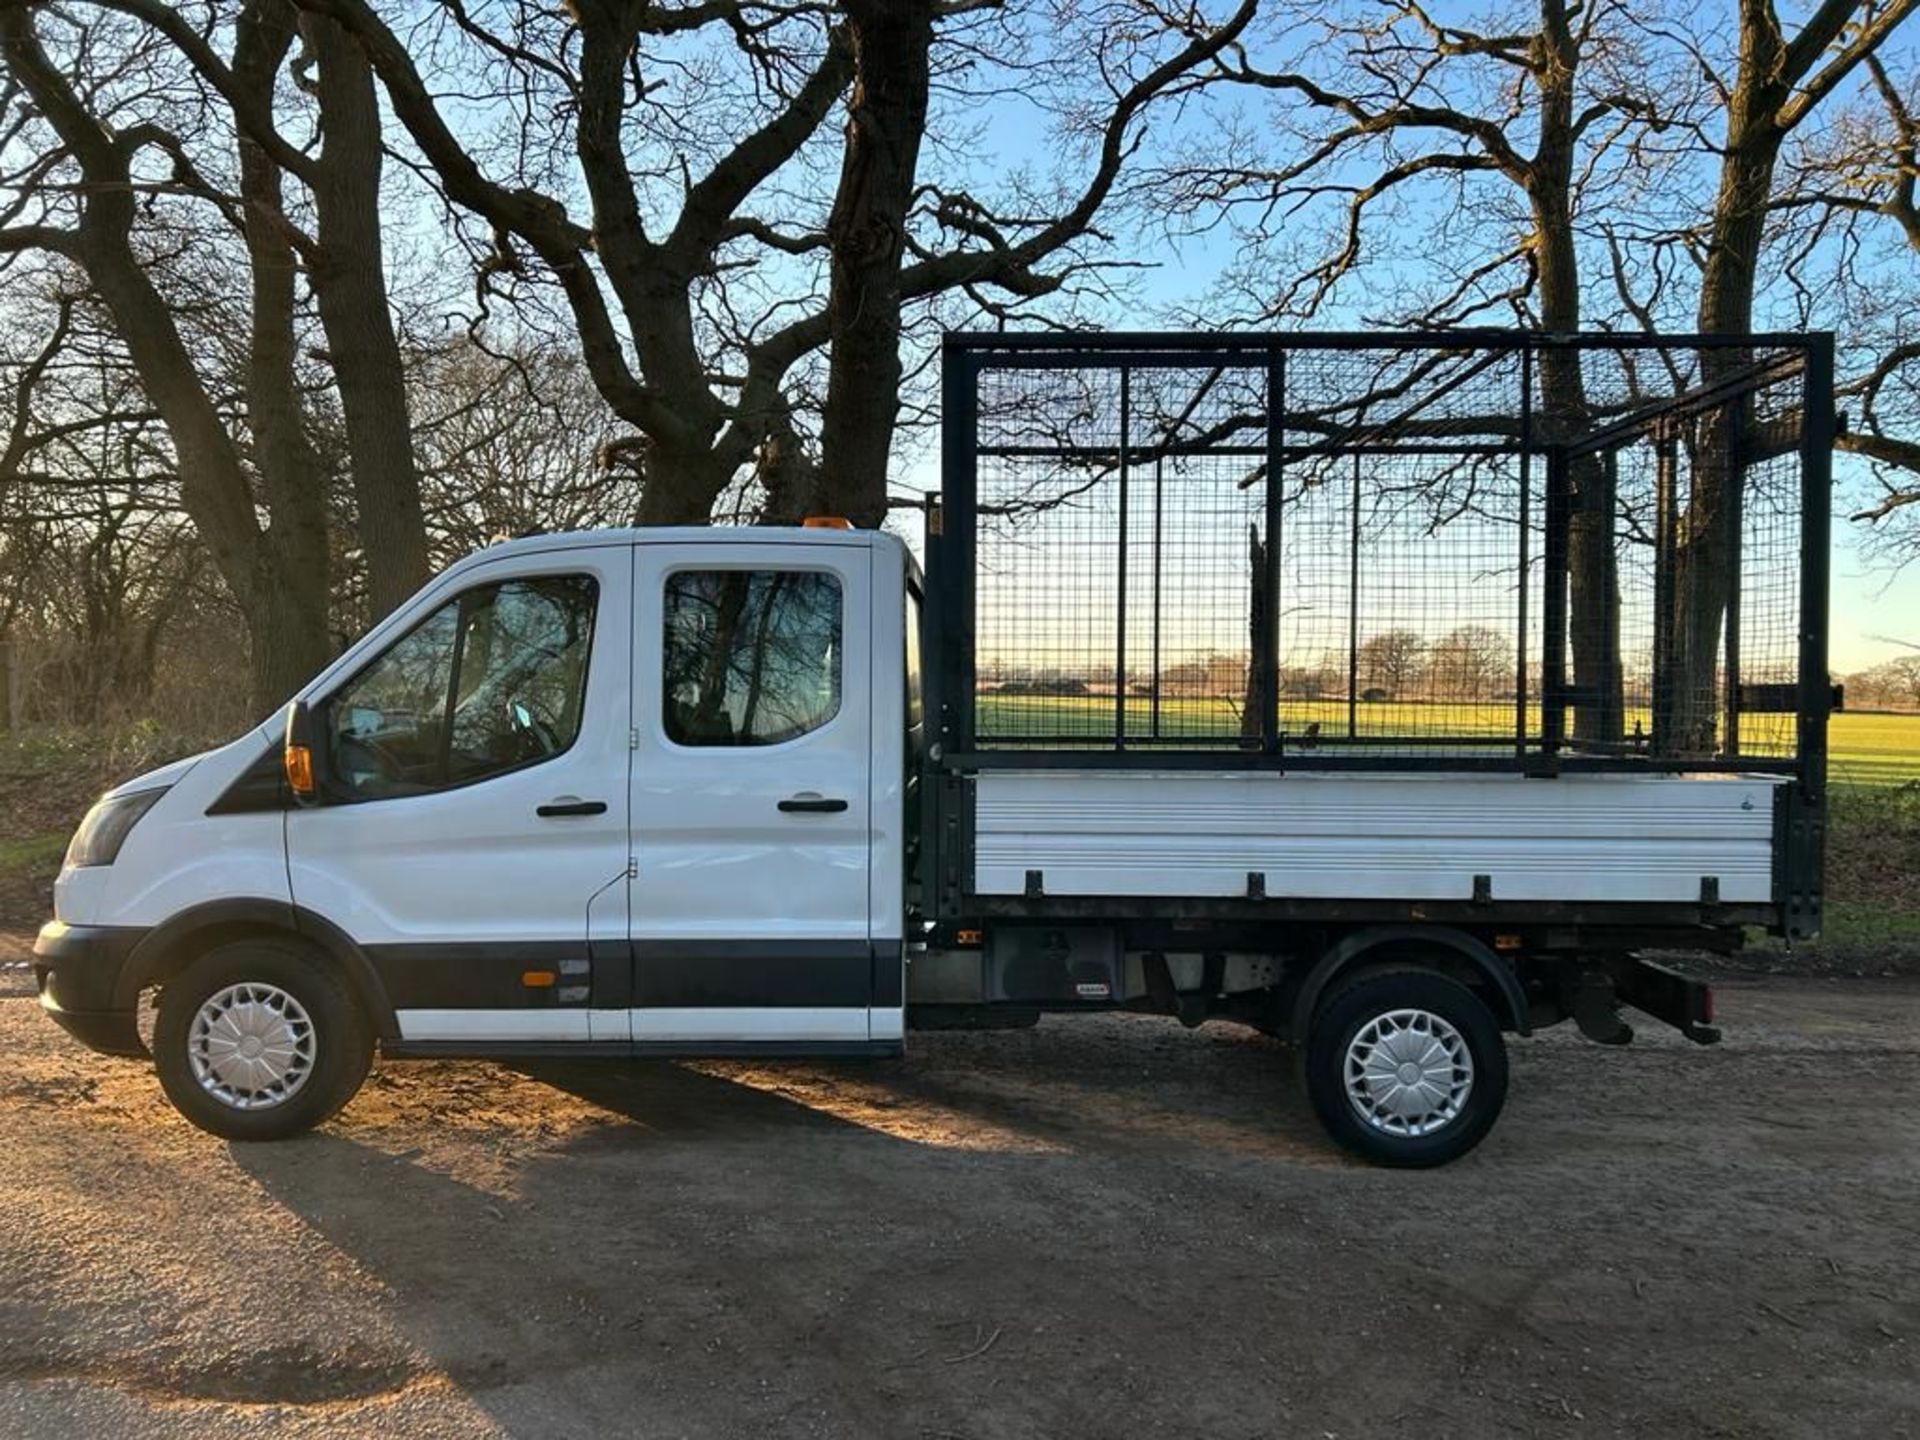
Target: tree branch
x=1820, y=31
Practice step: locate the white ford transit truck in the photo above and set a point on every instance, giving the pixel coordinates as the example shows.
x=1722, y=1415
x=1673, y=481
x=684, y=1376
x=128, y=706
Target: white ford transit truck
x=1358, y=688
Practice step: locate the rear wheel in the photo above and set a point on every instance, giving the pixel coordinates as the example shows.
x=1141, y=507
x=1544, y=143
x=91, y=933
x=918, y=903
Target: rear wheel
x=1406, y=1067
x=259, y=1040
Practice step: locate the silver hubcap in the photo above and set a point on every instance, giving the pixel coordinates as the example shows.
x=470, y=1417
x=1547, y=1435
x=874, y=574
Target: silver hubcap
x=1408, y=1072
x=251, y=1046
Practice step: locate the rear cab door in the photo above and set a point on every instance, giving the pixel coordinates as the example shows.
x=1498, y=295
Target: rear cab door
x=752, y=795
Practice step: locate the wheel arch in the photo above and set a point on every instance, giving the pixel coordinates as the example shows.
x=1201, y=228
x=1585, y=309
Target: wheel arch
x=1437, y=947
x=171, y=946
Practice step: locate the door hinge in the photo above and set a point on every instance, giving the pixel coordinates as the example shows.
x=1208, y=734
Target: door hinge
x=633, y=739
x=633, y=867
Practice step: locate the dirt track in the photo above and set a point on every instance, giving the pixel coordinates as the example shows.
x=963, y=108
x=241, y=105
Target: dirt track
x=1107, y=1227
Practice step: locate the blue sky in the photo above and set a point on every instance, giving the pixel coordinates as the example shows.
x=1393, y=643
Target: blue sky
x=1870, y=600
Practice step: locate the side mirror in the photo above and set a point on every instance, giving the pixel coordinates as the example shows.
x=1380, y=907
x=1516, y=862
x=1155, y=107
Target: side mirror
x=304, y=758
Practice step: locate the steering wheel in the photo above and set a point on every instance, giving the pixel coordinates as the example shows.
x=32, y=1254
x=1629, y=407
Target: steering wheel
x=531, y=725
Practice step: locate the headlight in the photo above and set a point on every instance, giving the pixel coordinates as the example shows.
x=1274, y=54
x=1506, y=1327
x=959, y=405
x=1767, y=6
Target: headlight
x=104, y=831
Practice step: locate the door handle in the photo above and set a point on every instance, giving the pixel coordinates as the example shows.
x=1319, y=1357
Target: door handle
x=812, y=805
x=555, y=808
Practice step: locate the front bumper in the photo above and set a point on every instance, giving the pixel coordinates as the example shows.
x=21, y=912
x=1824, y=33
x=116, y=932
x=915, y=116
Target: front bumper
x=76, y=969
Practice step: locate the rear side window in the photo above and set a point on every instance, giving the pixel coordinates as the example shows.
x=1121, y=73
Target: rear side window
x=752, y=657
x=915, y=705
x=493, y=681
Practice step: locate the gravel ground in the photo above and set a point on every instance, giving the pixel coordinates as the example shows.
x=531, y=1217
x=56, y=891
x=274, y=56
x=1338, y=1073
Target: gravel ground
x=1101, y=1227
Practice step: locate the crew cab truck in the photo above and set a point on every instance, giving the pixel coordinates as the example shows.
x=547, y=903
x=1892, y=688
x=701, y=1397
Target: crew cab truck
x=675, y=792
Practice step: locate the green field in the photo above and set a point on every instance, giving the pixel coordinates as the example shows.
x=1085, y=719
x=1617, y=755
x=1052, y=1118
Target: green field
x=1866, y=749
x=1870, y=749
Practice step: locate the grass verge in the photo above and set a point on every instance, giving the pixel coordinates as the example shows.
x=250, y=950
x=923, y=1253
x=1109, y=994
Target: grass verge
x=48, y=778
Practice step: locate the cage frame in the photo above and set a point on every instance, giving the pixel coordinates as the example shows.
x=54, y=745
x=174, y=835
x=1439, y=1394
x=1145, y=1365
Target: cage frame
x=953, y=523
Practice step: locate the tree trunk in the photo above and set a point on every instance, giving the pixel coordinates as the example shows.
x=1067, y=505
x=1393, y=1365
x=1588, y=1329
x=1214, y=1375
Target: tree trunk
x=886, y=118
x=13, y=695
x=789, y=477
x=1593, y=562
x=679, y=485
x=1253, y=709
x=1593, y=581
x=287, y=648
x=289, y=644
x=349, y=281
x=1706, y=543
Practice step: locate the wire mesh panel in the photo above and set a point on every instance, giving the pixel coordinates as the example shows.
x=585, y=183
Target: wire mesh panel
x=1683, y=605
x=1118, y=523
x=1487, y=549
x=1195, y=539
x=1769, y=545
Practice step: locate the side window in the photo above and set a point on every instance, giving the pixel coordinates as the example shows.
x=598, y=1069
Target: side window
x=492, y=681
x=916, y=745
x=915, y=704
x=752, y=657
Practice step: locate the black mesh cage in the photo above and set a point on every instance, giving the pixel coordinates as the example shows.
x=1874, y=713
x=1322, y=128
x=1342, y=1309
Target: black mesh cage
x=1482, y=550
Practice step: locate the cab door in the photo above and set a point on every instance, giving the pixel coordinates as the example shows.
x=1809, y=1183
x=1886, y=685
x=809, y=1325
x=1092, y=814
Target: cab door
x=474, y=844
x=751, y=792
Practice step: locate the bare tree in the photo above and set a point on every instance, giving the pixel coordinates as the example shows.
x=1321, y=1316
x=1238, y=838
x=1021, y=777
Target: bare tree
x=662, y=283
x=1392, y=660
x=1899, y=680
x=277, y=572
x=1552, y=158
x=1470, y=663
x=1846, y=218
x=1510, y=124
x=511, y=441
x=344, y=259
x=1778, y=83
x=129, y=171
x=348, y=269
x=892, y=44
x=96, y=559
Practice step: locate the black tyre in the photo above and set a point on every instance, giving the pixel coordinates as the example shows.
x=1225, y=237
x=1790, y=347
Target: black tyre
x=1405, y=1067
x=259, y=1040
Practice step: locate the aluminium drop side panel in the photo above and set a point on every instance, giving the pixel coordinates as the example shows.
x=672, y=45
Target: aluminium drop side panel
x=1410, y=836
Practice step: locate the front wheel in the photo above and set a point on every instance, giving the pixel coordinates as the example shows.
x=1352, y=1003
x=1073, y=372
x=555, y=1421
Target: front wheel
x=259, y=1040
x=1406, y=1067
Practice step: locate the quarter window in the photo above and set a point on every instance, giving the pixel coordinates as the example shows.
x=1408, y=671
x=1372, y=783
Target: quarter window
x=752, y=657
x=915, y=704
x=492, y=681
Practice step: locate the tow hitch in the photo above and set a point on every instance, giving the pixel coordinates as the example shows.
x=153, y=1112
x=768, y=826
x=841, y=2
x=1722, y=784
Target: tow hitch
x=1667, y=995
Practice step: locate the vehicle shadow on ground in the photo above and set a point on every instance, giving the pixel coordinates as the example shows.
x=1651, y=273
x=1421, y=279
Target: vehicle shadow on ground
x=730, y=1244
x=1071, y=1089
x=593, y=1257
